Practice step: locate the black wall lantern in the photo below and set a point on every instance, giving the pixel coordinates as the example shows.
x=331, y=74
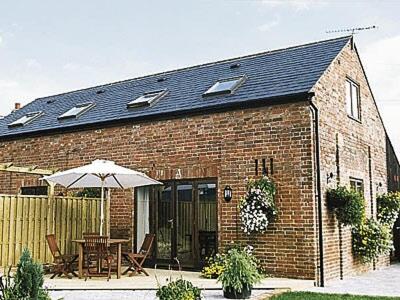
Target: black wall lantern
x=228, y=193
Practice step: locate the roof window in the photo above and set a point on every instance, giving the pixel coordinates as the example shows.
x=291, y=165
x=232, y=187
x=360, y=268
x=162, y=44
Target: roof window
x=76, y=111
x=225, y=86
x=26, y=119
x=147, y=99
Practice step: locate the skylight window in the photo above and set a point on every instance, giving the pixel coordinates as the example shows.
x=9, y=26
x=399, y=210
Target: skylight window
x=147, y=99
x=225, y=86
x=76, y=111
x=26, y=119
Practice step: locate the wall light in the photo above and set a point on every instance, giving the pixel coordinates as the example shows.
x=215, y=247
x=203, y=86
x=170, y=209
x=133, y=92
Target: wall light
x=228, y=193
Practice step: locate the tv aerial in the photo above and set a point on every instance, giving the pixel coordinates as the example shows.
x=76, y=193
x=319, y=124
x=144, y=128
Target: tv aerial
x=354, y=30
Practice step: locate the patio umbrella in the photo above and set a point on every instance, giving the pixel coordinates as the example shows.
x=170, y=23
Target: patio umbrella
x=103, y=174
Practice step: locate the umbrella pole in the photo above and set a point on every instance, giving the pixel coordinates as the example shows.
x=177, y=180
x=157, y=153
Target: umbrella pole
x=102, y=207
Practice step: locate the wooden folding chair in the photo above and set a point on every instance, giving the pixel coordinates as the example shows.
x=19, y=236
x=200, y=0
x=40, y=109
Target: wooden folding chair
x=63, y=264
x=96, y=252
x=136, y=260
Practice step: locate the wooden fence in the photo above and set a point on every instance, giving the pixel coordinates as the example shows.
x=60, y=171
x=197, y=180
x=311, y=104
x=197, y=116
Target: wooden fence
x=25, y=221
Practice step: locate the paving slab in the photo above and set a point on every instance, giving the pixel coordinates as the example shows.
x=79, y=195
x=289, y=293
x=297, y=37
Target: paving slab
x=383, y=282
x=136, y=295
x=162, y=277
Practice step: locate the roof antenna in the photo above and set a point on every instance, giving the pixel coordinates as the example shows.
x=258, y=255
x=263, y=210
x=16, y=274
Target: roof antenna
x=354, y=30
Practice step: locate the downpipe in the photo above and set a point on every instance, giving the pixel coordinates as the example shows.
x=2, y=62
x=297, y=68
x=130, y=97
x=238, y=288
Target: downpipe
x=315, y=120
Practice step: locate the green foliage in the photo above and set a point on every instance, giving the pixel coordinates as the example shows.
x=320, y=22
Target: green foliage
x=388, y=208
x=89, y=193
x=371, y=239
x=27, y=283
x=239, y=270
x=348, y=205
x=7, y=286
x=179, y=290
x=265, y=184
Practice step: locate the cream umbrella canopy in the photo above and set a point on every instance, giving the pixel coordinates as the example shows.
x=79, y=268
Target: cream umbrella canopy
x=103, y=174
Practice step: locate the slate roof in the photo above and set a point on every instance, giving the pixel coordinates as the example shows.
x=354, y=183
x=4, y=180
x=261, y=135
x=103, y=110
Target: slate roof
x=269, y=74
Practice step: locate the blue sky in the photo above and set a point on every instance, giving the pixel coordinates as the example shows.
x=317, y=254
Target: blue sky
x=48, y=47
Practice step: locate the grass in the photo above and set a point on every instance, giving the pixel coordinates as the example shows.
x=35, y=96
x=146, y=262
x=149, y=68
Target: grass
x=317, y=296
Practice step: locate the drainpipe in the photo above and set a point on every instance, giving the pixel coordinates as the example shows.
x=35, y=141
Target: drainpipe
x=318, y=195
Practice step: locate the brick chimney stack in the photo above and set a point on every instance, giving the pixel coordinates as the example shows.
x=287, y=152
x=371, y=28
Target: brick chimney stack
x=17, y=106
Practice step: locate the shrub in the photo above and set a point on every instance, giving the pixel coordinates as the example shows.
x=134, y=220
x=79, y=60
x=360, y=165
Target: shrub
x=240, y=270
x=371, y=239
x=348, y=205
x=179, y=290
x=29, y=278
x=388, y=208
x=27, y=283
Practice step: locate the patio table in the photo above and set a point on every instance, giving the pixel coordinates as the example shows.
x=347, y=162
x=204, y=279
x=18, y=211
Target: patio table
x=118, y=242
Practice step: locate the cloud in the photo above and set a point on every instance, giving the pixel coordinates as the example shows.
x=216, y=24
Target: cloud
x=382, y=64
x=32, y=63
x=72, y=66
x=6, y=84
x=1, y=39
x=295, y=4
x=269, y=25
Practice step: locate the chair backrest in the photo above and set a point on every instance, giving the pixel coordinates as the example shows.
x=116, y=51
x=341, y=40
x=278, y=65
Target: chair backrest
x=85, y=234
x=96, y=245
x=147, y=243
x=52, y=242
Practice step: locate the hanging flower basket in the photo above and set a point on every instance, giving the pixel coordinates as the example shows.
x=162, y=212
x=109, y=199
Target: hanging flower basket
x=257, y=208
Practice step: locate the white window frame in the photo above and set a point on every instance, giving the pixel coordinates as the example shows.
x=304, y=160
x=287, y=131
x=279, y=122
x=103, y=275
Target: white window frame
x=30, y=117
x=147, y=99
x=239, y=81
x=353, y=103
x=84, y=107
x=357, y=184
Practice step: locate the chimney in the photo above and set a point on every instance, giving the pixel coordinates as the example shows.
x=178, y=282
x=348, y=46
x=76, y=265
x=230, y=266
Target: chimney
x=17, y=106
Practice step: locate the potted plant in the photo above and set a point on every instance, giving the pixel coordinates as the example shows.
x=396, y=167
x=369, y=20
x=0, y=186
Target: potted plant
x=239, y=273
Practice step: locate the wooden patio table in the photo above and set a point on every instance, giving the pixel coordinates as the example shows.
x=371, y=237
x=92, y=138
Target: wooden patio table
x=118, y=242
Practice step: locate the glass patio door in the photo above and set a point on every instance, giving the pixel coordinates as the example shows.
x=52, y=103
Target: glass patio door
x=165, y=223
x=186, y=222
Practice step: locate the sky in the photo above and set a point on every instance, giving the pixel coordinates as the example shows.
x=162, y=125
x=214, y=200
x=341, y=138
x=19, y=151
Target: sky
x=48, y=47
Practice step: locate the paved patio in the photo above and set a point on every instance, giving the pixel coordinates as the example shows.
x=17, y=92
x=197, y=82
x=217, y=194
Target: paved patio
x=384, y=282
x=143, y=287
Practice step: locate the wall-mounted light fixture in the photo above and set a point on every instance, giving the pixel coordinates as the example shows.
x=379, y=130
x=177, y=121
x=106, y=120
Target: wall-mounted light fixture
x=329, y=177
x=227, y=193
x=378, y=186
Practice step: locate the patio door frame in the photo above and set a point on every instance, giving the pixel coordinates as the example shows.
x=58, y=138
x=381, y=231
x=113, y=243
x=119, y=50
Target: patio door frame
x=155, y=196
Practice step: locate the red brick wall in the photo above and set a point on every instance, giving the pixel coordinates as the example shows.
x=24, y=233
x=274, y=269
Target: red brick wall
x=220, y=145
x=354, y=139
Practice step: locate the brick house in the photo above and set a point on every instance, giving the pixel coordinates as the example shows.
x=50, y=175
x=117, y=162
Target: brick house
x=305, y=115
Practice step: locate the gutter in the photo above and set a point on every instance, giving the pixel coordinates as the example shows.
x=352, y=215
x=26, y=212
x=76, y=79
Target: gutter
x=318, y=195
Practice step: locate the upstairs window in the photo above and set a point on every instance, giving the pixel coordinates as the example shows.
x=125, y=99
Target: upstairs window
x=76, y=111
x=147, y=99
x=353, y=99
x=225, y=86
x=357, y=185
x=26, y=119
